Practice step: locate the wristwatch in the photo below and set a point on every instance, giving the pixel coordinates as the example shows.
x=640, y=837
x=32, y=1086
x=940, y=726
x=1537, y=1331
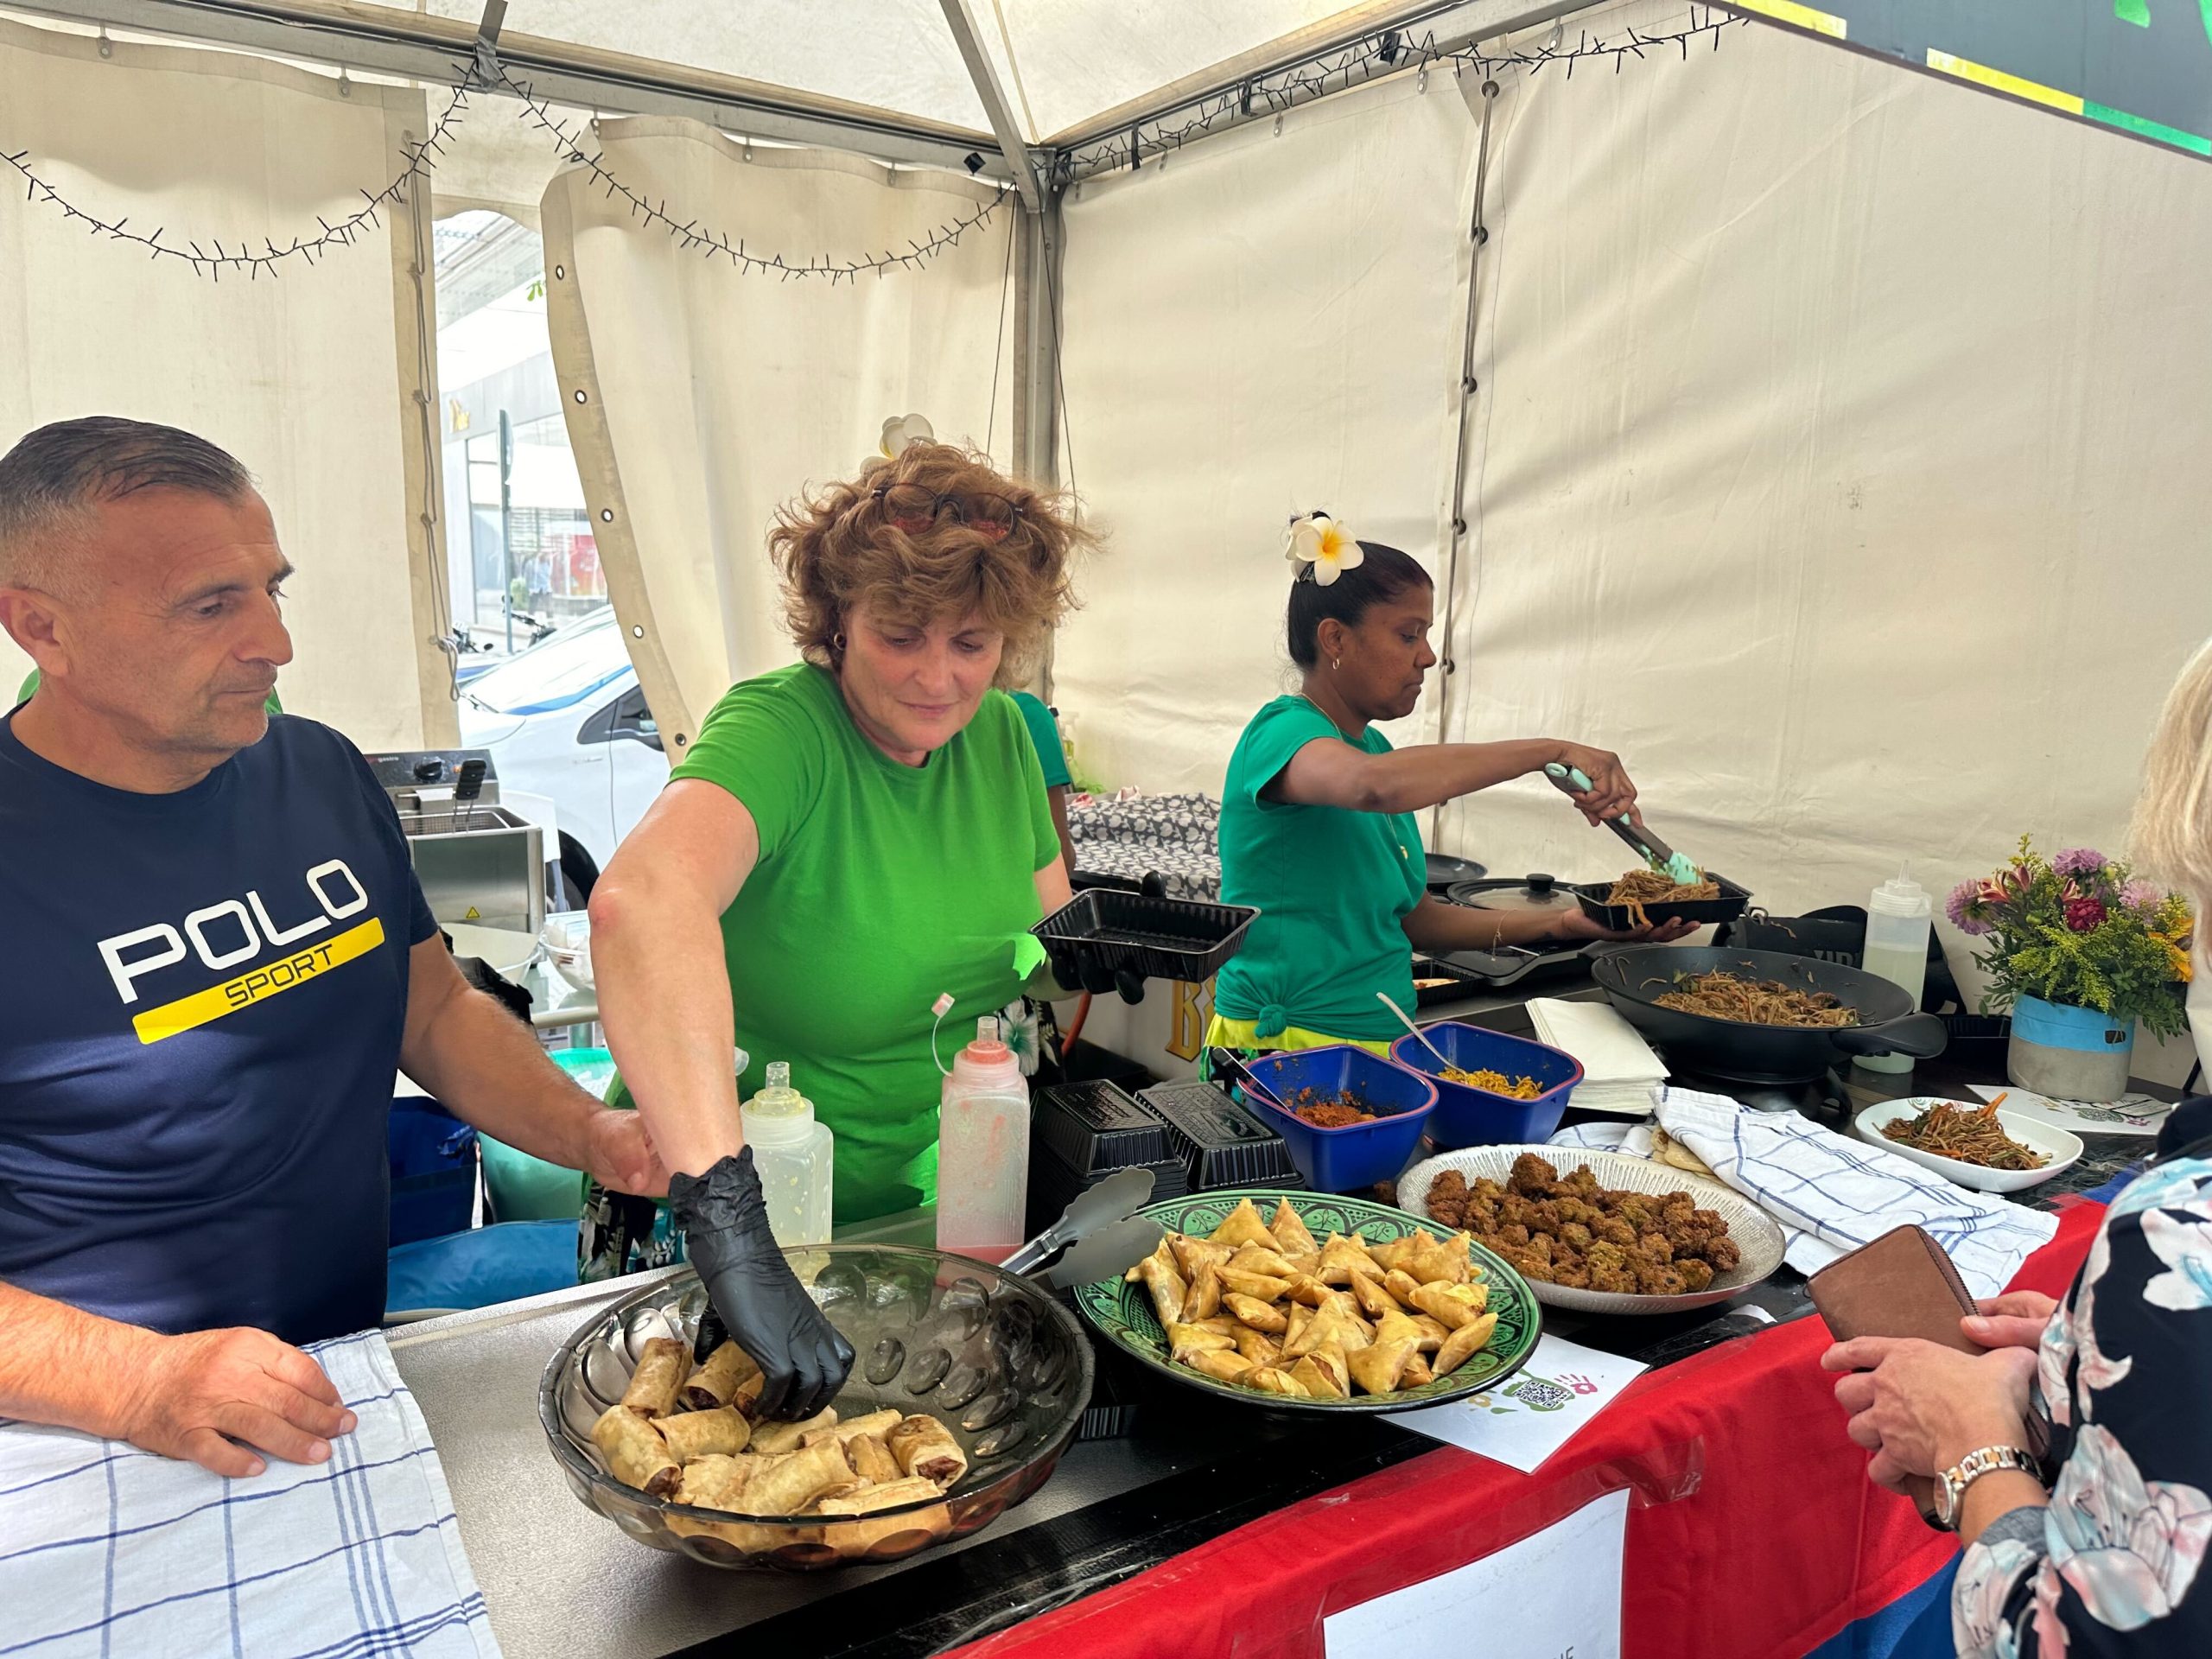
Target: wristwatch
x=1951, y=1484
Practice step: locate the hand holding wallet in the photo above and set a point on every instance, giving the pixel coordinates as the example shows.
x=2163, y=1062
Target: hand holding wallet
x=1901, y=1285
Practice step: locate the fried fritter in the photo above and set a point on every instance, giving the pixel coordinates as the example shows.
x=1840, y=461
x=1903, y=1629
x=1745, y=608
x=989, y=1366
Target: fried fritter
x=1572, y=1231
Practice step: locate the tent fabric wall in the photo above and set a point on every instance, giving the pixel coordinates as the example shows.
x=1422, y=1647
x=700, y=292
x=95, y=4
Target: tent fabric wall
x=1839, y=458
x=1267, y=325
x=1845, y=465
x=308, y=378
x=700, y=398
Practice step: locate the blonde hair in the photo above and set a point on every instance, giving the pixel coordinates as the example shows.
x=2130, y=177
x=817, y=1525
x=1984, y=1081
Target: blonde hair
x=835, y=553
x=2171, y=837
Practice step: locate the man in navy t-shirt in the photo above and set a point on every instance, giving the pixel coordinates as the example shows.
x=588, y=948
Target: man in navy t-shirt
x=215, y=958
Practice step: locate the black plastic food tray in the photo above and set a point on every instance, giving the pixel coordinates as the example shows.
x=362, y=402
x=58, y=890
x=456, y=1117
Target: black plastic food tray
x=1220, y=1143
x=1728, y=907
x=1156, y=938
x=1096, y=1128
x=1053, y=1185
x=1461, y=982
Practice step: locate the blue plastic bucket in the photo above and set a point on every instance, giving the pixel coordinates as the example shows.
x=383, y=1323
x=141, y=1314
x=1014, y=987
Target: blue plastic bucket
x=1359, y=1154
x=1468, y=1117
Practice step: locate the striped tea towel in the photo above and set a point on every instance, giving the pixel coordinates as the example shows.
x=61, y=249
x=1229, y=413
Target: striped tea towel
x=1831, y=1193
x=107, y=1550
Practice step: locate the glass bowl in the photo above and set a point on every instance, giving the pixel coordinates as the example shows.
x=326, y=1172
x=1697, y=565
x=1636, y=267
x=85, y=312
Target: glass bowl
x=1000, y=1363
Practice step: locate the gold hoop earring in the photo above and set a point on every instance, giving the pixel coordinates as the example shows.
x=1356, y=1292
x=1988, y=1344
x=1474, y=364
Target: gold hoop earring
x=1336, y=664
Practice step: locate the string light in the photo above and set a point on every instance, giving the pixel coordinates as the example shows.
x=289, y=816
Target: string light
x=1384, y=53
x=715, y=245
x=209, y=256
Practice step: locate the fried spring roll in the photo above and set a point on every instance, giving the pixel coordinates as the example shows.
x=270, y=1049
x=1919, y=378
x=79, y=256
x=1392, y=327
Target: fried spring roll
x=701, y=1434
x=715, y=1383
x=1291, y=1235
x=717, y=1481
x=1223, y=1367
x=1463, y=1342
x=872, y=1460
x=858, y=1536
x=661, y=1370
x=790, y=1485
x=636, y=1454
x=1258, y=1315
x=790, y=1437
x=878, y=1423
x=925, y=1447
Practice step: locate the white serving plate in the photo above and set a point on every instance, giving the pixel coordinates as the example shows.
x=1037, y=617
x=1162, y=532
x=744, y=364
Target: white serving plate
x=2062, y=1150
x=1758, y=1240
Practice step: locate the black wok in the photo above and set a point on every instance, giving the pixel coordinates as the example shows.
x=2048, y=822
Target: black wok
x=1888, y=1024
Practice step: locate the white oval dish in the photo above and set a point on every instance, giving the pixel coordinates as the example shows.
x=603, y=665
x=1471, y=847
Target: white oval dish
x=1758, y=1240
x=2062, y=1150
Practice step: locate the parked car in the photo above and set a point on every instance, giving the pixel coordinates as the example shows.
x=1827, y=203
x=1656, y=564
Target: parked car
x=567, y=719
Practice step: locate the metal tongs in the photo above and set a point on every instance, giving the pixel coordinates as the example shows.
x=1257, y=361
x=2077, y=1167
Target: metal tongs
x=1100, y=1233
x=1654, y=852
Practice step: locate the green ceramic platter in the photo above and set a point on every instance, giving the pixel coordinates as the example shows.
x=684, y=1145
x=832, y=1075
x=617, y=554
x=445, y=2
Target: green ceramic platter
x=1124, y=1311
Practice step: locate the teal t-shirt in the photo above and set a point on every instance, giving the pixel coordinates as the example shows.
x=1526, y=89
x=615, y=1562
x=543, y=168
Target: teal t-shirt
x=878, y=886
x=31, y=685
x=1045, y=734
x=1331, y=885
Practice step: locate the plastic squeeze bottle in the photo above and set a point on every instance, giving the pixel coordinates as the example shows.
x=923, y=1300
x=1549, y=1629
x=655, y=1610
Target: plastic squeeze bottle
x=1898, y=918
x=794, y=1155
x=982, y=1160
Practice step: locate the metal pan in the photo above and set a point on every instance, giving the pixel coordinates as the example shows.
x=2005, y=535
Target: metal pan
x=1635, y=975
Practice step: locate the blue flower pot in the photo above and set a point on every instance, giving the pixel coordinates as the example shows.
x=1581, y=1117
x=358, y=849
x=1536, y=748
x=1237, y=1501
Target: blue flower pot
x=2069, y=1053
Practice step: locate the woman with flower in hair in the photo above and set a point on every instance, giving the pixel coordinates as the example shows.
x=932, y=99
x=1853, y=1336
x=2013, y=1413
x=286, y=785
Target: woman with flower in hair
x=2074, y=1455
x=1317, y=816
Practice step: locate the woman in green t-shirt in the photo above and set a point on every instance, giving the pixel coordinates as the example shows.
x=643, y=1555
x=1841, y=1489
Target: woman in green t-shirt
x=847, y=839
x=1316, y=815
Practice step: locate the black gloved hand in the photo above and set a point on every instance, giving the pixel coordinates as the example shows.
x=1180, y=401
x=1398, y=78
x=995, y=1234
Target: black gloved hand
x=751, y=1287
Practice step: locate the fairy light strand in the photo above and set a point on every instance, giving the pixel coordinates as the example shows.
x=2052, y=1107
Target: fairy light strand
x=1388, y=52
x=211, y=256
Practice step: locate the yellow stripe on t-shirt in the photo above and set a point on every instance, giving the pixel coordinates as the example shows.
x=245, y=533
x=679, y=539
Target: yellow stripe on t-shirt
x=257, y=984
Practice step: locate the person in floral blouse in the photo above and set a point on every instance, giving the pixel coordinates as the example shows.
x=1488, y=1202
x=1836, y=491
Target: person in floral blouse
x=2098, y=1545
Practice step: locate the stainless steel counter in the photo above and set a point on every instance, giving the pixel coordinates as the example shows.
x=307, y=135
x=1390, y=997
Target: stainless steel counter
x=558, y=1578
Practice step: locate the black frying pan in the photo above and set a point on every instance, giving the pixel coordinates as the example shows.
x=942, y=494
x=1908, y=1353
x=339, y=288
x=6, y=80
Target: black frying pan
x=1888, y=1023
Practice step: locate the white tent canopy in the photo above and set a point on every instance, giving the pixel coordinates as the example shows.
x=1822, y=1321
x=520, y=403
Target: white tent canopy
x=1827, y=439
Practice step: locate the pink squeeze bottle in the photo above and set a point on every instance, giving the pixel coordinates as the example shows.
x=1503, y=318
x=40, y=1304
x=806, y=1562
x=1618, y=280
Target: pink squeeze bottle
x=982, y=1160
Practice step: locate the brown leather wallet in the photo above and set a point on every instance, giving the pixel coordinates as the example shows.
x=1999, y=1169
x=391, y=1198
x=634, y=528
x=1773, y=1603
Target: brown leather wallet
x=1901, y=1285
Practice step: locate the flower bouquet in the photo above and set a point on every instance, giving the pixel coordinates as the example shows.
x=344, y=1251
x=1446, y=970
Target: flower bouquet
x=2079, y=951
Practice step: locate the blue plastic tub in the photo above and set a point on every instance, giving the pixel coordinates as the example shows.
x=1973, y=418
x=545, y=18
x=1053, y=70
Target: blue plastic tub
x=1475, y=1117
x=1359, y=1154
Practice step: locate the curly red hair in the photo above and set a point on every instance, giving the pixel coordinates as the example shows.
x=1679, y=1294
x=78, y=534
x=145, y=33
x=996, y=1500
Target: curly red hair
x=835, y=553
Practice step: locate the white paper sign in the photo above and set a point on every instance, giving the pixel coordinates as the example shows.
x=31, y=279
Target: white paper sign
x=2130, y=1114
x=1534, y=1412
x=1555, y=1596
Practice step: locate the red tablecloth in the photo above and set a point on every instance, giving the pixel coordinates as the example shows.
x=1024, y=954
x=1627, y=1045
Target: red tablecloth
x=1753, y=1531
